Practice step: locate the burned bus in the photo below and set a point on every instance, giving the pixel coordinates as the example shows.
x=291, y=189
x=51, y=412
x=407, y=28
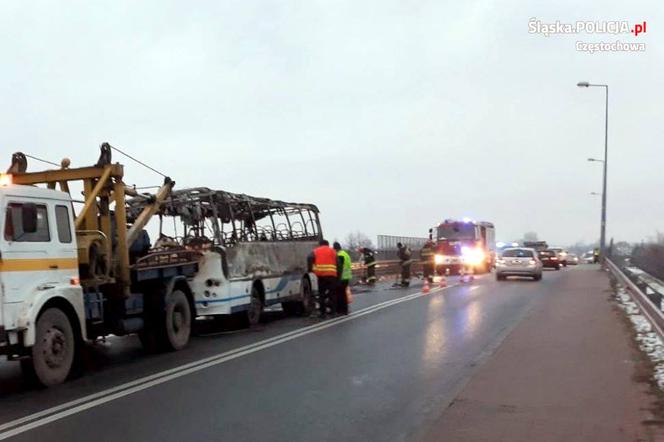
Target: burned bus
x=249, y=253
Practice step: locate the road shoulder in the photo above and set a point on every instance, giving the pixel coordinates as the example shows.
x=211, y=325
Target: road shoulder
x=568, y=372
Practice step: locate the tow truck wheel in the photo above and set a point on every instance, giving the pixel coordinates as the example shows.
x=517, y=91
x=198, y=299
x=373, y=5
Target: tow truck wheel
x=177, y=320
x=255, y=309
x=54, y=349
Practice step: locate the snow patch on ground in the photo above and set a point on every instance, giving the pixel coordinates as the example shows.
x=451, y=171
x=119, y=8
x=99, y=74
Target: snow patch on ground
x=647, y=339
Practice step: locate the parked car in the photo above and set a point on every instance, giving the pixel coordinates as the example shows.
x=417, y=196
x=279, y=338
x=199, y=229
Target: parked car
x=549, y=259
x=572, y=259
x=518, y=262
x=562, y=255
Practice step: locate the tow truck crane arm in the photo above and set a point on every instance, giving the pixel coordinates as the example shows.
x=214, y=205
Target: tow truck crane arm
x=149, y=210
x=102, y=185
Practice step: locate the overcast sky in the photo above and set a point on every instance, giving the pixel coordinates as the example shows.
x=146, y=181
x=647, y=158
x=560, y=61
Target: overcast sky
x=389, y=115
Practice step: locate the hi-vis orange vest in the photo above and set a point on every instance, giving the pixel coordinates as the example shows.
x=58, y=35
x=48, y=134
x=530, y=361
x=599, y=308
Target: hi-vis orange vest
x=325, y=261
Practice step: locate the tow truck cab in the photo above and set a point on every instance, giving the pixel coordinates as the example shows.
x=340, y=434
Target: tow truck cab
x=38, y=263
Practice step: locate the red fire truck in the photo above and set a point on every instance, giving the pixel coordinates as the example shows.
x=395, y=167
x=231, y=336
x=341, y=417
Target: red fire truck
x=464, y=243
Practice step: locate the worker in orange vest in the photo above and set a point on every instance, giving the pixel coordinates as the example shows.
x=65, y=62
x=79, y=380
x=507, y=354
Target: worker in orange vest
x=324, y=263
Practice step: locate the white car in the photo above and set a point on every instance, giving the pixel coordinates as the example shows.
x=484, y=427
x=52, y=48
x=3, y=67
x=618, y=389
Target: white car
x=518, y=262
x=572, y=259
x=588, y=258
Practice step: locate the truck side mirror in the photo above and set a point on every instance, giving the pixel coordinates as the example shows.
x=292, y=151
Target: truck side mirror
x=29, y=218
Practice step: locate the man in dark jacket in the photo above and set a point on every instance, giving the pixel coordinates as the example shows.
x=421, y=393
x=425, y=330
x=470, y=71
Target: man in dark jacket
x=427, y=258
x=369, y=257
x=405, y=261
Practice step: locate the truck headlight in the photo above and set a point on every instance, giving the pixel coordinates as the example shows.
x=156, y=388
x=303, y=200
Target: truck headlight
x=473, y=256
x=438, y=259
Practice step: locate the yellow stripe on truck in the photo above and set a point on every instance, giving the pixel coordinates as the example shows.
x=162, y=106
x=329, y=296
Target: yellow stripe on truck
x=34, y=265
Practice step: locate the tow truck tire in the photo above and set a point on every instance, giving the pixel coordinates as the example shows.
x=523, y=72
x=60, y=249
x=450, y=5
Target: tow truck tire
x=177, y=321
x=149, y=340
x=167, y=328
x=255, y=309
x=54, y=349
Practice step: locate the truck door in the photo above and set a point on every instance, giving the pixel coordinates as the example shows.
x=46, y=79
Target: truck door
x=34, y=258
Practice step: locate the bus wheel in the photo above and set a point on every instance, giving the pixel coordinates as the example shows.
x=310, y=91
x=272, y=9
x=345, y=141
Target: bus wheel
x=54, y=349
x=255, y=309
x=307, y=304
x=177, y=321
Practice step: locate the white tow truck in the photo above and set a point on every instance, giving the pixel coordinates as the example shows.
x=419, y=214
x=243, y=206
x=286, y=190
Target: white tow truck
x=66, y=278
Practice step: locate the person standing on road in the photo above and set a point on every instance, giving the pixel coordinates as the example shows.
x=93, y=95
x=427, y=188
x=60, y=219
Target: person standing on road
x=426, y=256
x=369, y=257
x=405, y=261
x=323, y=262
x=345, y=275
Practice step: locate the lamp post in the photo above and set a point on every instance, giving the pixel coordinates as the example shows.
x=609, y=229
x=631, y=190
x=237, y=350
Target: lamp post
x=602, y=236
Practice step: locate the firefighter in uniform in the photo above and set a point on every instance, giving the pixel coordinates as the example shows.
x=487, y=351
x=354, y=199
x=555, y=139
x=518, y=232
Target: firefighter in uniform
x=369, y=257
x=345, y=275
x=404, y=254
x=323, y=262
x=427, y=258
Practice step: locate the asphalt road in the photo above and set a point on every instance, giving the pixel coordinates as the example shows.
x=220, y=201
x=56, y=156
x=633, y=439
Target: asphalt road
x=386, y=372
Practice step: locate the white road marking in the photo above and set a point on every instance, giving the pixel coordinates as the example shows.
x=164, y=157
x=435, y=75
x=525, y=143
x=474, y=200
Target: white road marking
x=30, y=422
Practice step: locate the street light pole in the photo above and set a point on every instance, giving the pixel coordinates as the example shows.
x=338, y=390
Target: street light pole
x=602, y=236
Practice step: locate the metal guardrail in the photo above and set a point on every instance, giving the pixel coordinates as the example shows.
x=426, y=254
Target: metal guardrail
x=651, y=311
x=386, y=267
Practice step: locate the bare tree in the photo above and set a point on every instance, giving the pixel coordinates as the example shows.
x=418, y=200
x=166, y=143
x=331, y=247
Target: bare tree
x=657, y=239
x=357, y=239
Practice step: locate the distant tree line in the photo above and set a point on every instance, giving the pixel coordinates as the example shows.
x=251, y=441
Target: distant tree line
x=649, y=255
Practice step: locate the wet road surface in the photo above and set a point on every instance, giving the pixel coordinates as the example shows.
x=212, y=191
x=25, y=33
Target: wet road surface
x=385, y=372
